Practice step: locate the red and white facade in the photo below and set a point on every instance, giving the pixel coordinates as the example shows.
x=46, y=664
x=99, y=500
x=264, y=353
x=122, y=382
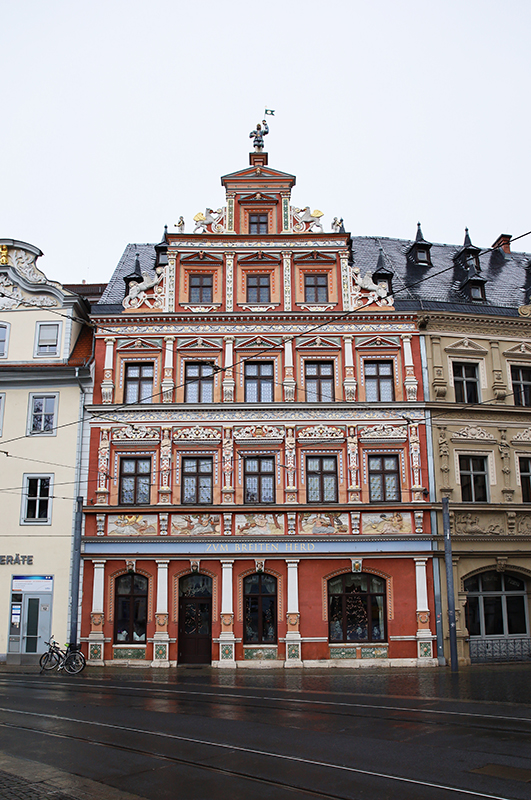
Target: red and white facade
x=258, y=451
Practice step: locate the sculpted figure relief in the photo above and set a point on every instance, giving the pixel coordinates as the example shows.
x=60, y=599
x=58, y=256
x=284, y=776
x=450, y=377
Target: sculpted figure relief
x=137, y=290
x=202, y=221
x=306, y=220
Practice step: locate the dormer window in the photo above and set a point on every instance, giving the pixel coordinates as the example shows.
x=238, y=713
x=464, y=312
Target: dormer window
x=419, y=252
x=477, y=291
x=422, y=255
x=258, y=223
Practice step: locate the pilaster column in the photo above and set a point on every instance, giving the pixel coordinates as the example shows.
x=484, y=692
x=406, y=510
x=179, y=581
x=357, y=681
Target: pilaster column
x=227, y=491
x=498, y=385
x=230, y=212
x=107, y=384
x=289, y=380
x=417, y=488
x=226, y=637
x=286, y=261
x=291, y=466
x=102, y=492
x=346, y=280
x=410, y=382
x=229, y=278
x=228, y=380
x=354, y=488
x=424, y=641
x=286, y=214
x=165, y=467
x=167, y=381
x=96, y=637
x=349, y=384
x=161, y=639
x=293, y=636
x=440, y=386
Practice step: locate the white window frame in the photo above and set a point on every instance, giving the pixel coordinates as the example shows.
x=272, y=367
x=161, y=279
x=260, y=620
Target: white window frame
x=38, y=327
x=26, y=478
x=29, y=427
x=491, y=468
x=7, y=327
x=479, y=361
x=2, y=406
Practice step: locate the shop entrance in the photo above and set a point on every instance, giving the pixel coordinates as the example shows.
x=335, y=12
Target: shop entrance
x=30, y=618
x=195, y=619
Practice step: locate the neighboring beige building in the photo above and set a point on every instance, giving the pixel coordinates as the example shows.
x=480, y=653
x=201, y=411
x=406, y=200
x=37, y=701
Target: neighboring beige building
x=478, y=356
x=45, y=374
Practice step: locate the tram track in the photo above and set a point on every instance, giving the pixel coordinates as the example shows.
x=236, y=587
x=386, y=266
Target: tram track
x=228, y=748
x=396, y=712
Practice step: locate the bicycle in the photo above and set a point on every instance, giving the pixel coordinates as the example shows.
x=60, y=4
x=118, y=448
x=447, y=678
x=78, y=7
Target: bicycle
x=71, y=660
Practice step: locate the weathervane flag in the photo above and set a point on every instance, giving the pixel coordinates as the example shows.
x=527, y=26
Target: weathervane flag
x=269, y=111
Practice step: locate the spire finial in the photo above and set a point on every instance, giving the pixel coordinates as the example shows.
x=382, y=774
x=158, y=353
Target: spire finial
x=467, y=242
x=420, y=237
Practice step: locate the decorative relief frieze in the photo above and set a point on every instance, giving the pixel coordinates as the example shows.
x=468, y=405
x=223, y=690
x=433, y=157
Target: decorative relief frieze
x=396, y=432
x=470, y=524
x=291, y=416
x=132, y=525
x=259, y=432
x=473, y=433
x=135, y=433
x=196, y=433
x=11, y=297
x=195, y=524
x=386, y=524
x=523, y=436
x=319, y=523
x=320, y=433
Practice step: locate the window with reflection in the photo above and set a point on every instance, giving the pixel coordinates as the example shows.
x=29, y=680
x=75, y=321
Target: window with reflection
x=356, y=608
x=258, y=289
x=199, y=382
x=131, y=592
x=319, y=379
x=322, y=479
x=139, y=383
x=197, y=480
x=521, y=380
x=201, y=288
x=259, y=479
x=260, y=603
x=379, y=386
x=135, y=481
x=259, y=381
x=496, y=604
x=384, y=479
x=316, y=288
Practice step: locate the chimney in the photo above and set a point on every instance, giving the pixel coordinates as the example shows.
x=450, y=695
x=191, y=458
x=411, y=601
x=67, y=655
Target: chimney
x=503, y=241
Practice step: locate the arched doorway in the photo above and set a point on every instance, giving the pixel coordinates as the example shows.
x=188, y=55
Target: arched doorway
x=497, y=617
x=195, y=619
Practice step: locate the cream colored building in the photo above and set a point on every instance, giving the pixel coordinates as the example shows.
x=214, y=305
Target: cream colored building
x=480, y=389
x=45, y=380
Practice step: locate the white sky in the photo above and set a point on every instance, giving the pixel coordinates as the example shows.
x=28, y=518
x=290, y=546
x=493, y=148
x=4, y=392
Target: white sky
x=120, y=115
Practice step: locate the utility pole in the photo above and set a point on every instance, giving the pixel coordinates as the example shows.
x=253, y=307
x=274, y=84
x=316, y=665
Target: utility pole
x=450, y=584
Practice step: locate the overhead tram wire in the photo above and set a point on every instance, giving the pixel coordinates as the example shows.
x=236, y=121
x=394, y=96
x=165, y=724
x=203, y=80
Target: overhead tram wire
x=103, y=415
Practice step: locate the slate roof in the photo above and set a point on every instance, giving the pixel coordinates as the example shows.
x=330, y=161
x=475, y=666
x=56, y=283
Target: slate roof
x=415, y=285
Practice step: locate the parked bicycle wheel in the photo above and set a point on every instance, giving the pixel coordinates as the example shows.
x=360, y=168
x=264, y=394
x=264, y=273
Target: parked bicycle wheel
x=75, y=662
x=49, y=660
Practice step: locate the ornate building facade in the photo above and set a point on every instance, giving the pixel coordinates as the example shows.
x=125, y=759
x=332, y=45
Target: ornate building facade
x=259, y=448
x=45, y=379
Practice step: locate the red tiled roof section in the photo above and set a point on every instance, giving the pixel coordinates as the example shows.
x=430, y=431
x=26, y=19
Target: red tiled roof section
x=83, y=347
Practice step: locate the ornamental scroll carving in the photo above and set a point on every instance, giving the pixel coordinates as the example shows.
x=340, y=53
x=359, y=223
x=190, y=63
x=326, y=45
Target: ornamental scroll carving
x=321, y=432
x=258, y=432
x=135, y=433
x=523, y=436
x=11, y=297
x=475, y=433
x=384, y=432
x=196, y=434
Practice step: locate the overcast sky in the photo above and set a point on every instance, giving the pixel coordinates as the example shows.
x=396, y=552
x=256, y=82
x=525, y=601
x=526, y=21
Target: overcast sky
x=118, y=116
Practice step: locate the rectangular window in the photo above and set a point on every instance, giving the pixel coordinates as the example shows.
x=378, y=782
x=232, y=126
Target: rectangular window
x=197, y=480
x=319, y=379
x=322, y=479
x=384, y=479
x=48, y=339
x=3, y=341
x=473, y=473
x=525, y=479
x=258, y=289
x=42, y=413
x=139, y=383
x=201, y=288
x=37, y=499
x=259, y=382
x=466, y=383
x=316, y=288
x=135, y=481
x=257, y=223
x=379, y=383
x=199, y=382
x=259, y=479
x=521, y=378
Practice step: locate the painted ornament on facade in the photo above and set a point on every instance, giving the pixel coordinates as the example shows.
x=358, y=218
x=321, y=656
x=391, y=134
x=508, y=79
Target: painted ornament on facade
x=259, y=524
x=386, y=524
x=195, y=524
x=132, y=525
x=324, y=523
